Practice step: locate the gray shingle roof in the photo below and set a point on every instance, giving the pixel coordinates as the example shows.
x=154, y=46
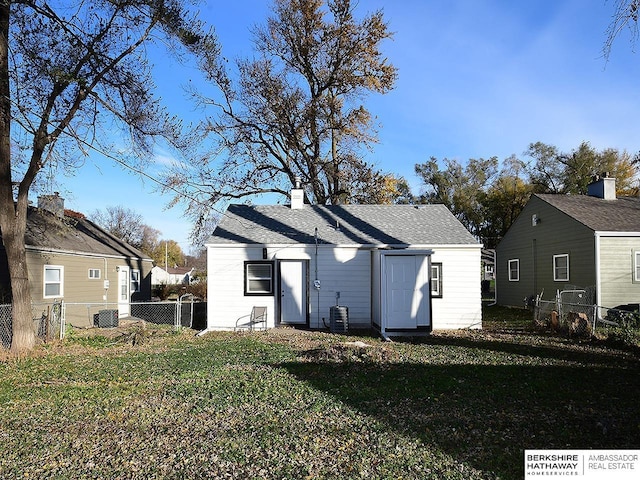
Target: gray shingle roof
x=341, y=225
x=620, y=215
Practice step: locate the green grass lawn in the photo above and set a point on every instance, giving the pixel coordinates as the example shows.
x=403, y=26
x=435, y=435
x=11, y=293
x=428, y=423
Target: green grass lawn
x=291, y=404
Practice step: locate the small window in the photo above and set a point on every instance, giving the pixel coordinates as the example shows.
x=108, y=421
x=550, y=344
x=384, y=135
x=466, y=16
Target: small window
x=258, y=278
x=53, y=281
x=636, y=266
x=135, y=281
x=561, y=268
x=436, y=280
x=514, y=270
x=94, y=273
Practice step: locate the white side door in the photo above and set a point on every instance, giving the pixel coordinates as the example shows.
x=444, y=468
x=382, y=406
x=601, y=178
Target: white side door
x=400, y=287
x=293, y=292
x=124, y=292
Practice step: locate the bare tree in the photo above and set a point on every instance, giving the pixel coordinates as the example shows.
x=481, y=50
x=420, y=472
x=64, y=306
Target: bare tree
x=625, y=16
x=129, y=226
x=296, y=110
x=72, y=73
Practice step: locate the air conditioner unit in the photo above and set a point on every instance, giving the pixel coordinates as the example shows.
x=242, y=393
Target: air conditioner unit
x=107, y=318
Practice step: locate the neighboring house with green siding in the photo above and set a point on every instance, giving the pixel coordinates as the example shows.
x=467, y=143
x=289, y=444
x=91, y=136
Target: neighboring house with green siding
x=573, y=240
x=71, y=258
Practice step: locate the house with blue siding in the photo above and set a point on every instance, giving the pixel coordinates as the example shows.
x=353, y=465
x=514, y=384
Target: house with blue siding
x=401, y=269
x=561, y=242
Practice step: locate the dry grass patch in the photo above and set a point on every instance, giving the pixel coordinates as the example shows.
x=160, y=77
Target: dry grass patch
x=292, y=404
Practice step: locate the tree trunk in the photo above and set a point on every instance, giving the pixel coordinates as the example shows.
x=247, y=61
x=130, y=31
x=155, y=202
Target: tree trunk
x=13, y=214
x=23, y=328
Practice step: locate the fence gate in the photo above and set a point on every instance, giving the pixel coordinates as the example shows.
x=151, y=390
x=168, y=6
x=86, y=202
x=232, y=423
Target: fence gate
x=574, y=308
x=184, y=311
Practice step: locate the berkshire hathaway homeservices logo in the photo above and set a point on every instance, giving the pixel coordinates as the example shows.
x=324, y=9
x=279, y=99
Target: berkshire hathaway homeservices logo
x=583, y=464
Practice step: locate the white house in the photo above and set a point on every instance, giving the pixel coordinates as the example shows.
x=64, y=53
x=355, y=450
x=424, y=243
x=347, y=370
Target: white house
x=171, y=275
x=401, y=269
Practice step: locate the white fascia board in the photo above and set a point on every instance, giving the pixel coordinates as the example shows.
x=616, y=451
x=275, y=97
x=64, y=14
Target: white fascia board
x=616, y=234
x=406, y=251
x=457, y=246
x=73, y=253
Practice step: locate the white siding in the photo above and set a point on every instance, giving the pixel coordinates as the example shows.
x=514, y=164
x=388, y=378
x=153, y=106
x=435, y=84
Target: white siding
x=225, y=292
x=339, y=269
x=346, y=270
x=461, y=302
x=160, y=276
x=376, y=284
x=616, y=271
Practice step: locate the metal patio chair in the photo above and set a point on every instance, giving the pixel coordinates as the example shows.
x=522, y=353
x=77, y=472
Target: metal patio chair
x=257, y=316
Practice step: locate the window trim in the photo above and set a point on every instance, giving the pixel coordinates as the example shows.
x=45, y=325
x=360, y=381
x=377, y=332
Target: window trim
x=635, y=275
x=94, y=277
x=132, y=281
x=516, y=261
x=556, y=278
x=247, y=278
x=437, y=292
x=60, y=293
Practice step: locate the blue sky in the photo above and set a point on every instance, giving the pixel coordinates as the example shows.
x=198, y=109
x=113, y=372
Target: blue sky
x=477, y=78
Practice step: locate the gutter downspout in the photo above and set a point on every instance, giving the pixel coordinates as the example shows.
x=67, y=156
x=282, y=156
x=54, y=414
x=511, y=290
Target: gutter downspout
x=316, y=282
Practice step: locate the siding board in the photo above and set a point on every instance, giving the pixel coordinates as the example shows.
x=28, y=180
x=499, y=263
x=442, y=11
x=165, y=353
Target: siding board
x=616, y=271
x=556, y=233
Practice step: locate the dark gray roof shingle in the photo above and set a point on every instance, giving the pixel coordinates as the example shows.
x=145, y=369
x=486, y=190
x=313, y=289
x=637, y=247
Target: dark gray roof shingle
x=74, y=234
x=341, y=225
x=619, y=215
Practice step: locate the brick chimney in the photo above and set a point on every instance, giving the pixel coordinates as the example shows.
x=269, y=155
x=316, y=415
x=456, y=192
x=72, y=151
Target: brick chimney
x=52, y=203
x=602, y=186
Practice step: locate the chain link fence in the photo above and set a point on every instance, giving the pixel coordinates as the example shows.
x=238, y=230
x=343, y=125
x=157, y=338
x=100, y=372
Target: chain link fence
x=107, y=315
x=51, y=320
x=47, y=322
x=5, y=325
x=574, y=311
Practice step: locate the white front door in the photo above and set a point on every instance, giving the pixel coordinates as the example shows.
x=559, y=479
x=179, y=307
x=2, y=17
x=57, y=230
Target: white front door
x=124, y=293
x=293, y=292
x=407, y=291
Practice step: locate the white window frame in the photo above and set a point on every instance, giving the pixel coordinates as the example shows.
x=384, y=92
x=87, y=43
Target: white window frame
x=249, y=277
x=94, y=274
x=135, y=281
x=60, y=283
x=436, y=280
x=516, y=262
x=636, y=266
x=556, y=277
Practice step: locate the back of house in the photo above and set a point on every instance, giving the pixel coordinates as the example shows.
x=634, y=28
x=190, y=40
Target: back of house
x=399, y=268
